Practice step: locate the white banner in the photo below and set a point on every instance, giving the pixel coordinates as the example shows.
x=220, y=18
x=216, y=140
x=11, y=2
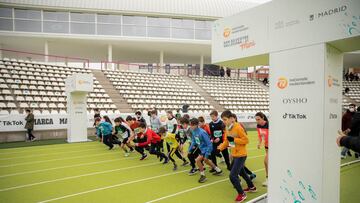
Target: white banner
x=305, y=104
x=10, y=123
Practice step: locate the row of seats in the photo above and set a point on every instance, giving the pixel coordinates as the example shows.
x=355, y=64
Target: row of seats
x=42, y=86
x=235, y=94
x=163, y=91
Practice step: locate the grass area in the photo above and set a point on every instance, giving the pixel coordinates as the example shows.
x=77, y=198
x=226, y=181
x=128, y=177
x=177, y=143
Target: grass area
x=47, y=171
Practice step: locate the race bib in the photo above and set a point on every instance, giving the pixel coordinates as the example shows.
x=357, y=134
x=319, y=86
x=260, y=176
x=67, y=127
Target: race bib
x=231, y=144
x=137, y=130
x=217, y=133
x=197, y=140
x=181, y=133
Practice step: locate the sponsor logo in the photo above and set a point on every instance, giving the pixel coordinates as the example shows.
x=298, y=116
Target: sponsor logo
x=282, y=83
x=44, y=121
x=295, y=100
x=327, y=12
x=227, y=32
x=333, y=116
x=333, y=82
x=297, y=116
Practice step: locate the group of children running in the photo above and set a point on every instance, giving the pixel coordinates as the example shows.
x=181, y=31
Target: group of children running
x=222, y=137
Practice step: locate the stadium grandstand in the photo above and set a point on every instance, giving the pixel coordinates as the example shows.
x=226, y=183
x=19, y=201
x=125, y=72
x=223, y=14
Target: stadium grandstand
x=143, y=56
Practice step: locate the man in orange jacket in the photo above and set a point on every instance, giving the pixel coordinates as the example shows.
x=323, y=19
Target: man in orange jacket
x=236, y=138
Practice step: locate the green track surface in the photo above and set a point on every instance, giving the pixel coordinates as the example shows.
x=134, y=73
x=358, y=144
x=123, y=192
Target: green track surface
x=88, y=172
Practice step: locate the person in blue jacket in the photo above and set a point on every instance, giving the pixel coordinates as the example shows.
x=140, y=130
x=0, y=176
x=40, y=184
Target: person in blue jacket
x=201, y=139
x=105, y=129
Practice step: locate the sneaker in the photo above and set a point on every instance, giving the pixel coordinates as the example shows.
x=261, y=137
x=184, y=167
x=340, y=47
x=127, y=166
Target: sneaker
x=212, y=170
x=193, y=171
x=265, y=183
x=343, y=156
x=166, y=160
x=356, y=155
x=185, y=163
x=240, y=198
x=126, y=154
x=253, y=189
x=216, y=173
x=349, y=153
x=202, y=179
x=252, y=176
x=175, y=167
x=110, y=148
x=143, y=157
x=132, y=150
x=161, y=158
x=32, y=140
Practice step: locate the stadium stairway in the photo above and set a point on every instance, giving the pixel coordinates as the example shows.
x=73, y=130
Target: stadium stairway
x=115, y=96
x=204, y=94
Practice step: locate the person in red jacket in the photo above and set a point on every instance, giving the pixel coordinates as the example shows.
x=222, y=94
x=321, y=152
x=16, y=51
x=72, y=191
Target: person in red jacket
x=149, y=137
x=204, y=125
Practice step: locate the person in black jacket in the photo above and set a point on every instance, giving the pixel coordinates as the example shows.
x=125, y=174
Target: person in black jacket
x=349, y=142
x=217, y=127
x=346, y=126
x=29, y=126
x=139, y=117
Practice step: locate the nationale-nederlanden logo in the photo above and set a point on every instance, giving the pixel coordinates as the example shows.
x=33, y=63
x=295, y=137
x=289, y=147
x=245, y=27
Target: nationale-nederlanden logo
x=282, y=83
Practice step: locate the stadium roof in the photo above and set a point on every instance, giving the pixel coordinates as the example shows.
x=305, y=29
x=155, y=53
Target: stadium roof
x=201, y=8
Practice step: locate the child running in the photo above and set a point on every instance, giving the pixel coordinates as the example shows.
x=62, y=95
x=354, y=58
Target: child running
x=217, y=128
x=147, y=138
x=200, y=138
x=263, y=134
x=170, y=138
x=125, y=133
x=105, y=129
x=171, y=125
x=236, y=138
x=194, y=151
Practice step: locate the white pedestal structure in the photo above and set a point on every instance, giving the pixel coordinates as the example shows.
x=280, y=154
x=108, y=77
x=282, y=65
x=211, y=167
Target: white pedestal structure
x=77, y=87
x=303, y=42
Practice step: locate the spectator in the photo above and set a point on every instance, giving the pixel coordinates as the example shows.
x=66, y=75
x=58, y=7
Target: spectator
x=356, y=76
x=222, y=72
x=30, y=121
x=228, y=72
x=355, y=126
x=349, y=142
x=265, y=81
x=346, y=126
x=96, y=113
x=351, y=76
x=346, y=91
x=347, y=76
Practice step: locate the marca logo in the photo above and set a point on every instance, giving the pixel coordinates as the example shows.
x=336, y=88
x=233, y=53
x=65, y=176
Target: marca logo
x=227, y=32
x=282, y=83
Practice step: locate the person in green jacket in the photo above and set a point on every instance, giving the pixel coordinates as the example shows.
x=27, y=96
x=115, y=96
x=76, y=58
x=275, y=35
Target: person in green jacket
x=29, y=126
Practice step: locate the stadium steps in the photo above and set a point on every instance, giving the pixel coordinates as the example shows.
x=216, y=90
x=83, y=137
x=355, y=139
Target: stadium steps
x=204, y=94
x=115, y=96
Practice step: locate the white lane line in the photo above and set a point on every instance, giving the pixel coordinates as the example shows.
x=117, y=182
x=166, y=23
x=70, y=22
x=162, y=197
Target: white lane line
x=78, y=176
x=62, y=167
x=32, y=149
x=194, y=188
x=112, y=186
x=49, y=160
x=47, y=154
